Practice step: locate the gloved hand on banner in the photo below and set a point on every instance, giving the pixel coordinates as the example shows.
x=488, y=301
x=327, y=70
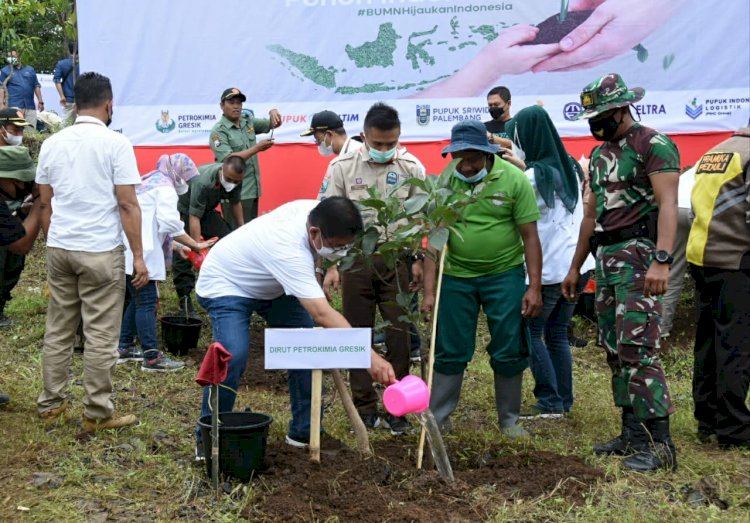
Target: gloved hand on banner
x=614, y=28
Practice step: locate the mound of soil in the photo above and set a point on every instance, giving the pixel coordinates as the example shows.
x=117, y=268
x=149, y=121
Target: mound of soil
x=387, y=487
x=551, y=30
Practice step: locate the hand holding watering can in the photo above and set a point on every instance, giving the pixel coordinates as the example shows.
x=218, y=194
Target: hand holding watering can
x=408, y=396
x=197, y=258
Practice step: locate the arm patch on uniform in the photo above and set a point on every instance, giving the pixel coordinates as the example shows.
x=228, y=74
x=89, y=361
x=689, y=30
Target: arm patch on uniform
x=713, y=163
x=215, y=139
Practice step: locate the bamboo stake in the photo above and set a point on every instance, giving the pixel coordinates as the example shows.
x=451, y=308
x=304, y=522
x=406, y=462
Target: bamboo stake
x=431, y=360
x=317, y=400
x=360, y=431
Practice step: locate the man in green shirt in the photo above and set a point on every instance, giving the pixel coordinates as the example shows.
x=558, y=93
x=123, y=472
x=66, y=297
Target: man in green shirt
x=484, y=269
x=235, y=134
x=216, y=182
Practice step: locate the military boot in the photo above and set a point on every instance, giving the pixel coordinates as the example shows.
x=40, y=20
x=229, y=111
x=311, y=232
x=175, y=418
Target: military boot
x=622, y=444
x=446, y=389
x=655, y=448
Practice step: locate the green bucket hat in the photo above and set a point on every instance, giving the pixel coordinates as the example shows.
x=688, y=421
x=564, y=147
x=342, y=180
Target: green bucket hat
x=16, y=163
x=608, y=92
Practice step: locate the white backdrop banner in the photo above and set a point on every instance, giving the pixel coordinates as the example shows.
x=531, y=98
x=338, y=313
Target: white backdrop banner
x=434, y=60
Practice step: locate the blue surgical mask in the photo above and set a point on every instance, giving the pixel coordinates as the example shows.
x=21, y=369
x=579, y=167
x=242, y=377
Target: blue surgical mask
x=471, y=179
x=382, y=156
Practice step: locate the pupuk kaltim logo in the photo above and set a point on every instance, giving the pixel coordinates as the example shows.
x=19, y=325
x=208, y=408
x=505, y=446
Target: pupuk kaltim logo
x=423, y=114
x=694, y=109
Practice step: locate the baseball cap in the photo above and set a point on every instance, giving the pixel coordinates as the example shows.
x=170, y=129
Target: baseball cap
x=324, y=121
x=14, y=116
x=232, y=92
x=470, y=135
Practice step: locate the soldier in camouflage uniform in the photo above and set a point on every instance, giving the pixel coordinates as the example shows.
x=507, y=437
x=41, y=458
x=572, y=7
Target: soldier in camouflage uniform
x=630, y=226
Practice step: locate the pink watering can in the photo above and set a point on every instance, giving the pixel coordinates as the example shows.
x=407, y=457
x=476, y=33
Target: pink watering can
x=408, y=396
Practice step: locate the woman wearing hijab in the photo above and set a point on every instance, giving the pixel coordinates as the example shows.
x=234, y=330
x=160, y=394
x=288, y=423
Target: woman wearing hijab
x=538, y=150
x=157, y=196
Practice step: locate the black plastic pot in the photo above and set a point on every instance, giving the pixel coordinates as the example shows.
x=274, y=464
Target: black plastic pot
x=180, y=334
x=242, y=443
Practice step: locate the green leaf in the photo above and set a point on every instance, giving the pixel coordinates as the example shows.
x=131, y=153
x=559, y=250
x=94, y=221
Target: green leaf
x=381, y=326
x=438, y=238
x=414, y=204
x=642, y=53
x=667, y=62
x=370, y=241
x=405, y=234
x=372, y=203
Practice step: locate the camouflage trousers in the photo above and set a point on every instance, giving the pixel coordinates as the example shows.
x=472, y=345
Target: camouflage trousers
x=629, y=328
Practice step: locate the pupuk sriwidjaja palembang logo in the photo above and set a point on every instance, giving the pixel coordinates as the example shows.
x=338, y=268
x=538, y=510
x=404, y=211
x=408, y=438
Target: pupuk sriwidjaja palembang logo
x=694, y=109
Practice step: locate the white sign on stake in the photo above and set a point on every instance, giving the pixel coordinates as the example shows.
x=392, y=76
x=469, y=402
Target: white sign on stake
x=318, y=348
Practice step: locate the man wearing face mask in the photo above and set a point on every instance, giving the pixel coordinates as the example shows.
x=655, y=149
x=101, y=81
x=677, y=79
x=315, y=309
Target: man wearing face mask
x=21, y=84
x=17, y=234
x=87, y=177
x=498, y=101
x=235, y=133
x=630, y=227
x=484, y=268
x=327, y=129
x=12, y=124
x=381, y=163
x=216, y=182
x=268, y=267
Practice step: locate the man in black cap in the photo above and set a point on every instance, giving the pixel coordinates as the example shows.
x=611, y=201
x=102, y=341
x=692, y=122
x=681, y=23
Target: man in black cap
x=17, y=234
x=235, y=134
x=327, y=129
x=12, y=124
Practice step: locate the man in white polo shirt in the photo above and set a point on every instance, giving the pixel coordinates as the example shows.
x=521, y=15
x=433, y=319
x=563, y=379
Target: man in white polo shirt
x=268, y=266
x=87, y=176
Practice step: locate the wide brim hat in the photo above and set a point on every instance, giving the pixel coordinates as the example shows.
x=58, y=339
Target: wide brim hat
x=607, y=93
x=16, y=163
x=470, y=135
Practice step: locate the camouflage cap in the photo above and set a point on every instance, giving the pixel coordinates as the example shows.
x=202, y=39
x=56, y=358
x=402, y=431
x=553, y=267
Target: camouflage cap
x=608, y=92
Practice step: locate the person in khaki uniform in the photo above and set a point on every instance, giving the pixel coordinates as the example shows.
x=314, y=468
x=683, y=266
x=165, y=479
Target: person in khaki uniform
x=235, y=134
x=380, y=162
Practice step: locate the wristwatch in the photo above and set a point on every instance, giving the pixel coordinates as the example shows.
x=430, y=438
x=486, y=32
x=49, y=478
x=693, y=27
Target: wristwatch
x=663, y=257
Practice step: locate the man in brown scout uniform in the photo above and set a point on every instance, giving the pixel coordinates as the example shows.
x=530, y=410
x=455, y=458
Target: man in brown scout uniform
x=631, y=224
x=235, y=134
x=382, y=163
x=718, y=251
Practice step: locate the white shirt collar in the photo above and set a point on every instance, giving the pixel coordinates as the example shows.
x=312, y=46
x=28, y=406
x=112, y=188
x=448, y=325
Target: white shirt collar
x=89, y=119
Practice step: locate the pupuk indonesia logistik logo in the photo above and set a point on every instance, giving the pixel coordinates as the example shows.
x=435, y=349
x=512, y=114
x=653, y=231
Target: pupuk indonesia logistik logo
x=694, y=109
x=423, y=114
x=165, y=124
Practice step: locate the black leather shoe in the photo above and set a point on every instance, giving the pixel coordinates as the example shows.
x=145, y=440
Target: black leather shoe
x=4, y=398
x=655, y=448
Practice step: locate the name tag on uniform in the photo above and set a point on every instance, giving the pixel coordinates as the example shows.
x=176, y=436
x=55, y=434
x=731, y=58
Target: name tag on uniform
x=358, y=187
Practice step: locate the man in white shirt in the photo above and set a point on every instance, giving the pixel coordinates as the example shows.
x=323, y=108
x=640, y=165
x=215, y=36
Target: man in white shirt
x=87, y=176
x=268, y=266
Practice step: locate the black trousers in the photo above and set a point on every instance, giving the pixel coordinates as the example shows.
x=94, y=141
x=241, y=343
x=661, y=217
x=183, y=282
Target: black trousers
x=721, y=372
x=11, y=267
x=212, y=224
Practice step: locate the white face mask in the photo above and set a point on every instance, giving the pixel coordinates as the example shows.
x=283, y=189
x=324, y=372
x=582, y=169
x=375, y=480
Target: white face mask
x=12, y=139
x=180, y=186
x=325, y=150
x=11, y=60
x=331, y=254
x=519, y=153
x=228, y=186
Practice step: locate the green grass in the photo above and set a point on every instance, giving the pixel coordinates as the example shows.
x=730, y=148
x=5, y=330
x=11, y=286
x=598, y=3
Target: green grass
x=147, y=471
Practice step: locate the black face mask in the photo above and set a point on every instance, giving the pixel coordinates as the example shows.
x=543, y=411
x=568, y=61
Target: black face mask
x=497, y=112
x=604, y=129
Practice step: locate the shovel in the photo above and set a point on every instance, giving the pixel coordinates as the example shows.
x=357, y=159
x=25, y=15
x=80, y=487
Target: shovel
x=213, y=371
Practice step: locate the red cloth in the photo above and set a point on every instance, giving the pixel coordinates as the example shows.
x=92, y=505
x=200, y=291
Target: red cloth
x=214, y=367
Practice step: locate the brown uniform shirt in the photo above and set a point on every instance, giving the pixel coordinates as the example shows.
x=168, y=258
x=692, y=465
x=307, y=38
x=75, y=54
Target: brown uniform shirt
x=351, y=174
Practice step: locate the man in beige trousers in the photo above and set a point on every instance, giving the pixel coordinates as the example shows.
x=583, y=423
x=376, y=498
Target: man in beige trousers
x=87, y=176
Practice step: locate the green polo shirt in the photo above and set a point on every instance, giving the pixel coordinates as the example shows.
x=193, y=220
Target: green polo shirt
x=489, y=241
x=227, y=138
x=205, y=192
